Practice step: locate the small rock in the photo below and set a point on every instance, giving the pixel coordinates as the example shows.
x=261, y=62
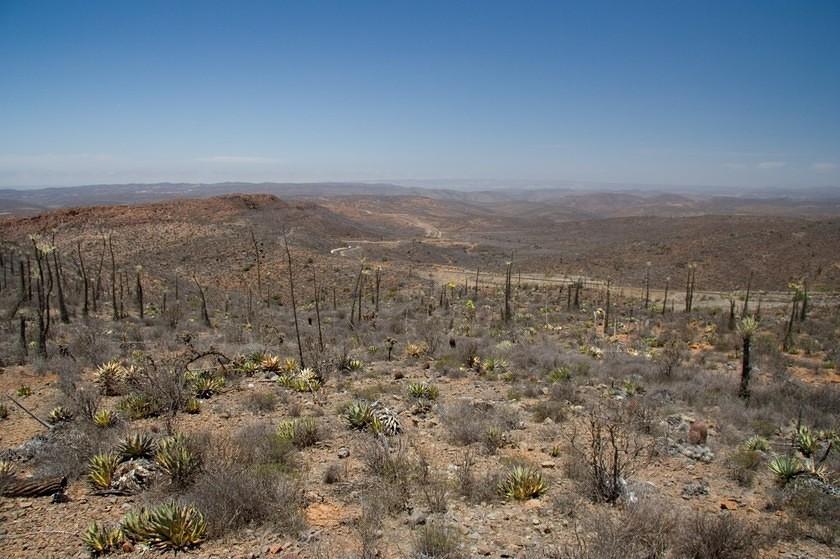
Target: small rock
x=343, y=452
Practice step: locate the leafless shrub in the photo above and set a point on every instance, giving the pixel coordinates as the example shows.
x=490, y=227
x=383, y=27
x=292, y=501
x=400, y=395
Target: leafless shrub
x=262, y=401
x=436, y=541
x=475, y=489
x=612, y=451
x=812, y=514
x=716, y=535
x=234, y=492
x=394, y=469
x=470, y=423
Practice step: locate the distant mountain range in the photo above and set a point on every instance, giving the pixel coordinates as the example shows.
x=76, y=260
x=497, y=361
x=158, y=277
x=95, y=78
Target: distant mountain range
x=585, y=200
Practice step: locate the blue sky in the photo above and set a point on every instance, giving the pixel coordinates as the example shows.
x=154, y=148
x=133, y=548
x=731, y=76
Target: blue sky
x=676, y=93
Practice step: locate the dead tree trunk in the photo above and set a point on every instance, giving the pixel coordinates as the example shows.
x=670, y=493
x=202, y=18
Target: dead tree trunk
x=507, y=311
x=258, y=256
x=115, y=308
x=292, y=293
x=205, y=316
x=83, y=273
x=63, y=315
x=317, y=310
x=138, y=293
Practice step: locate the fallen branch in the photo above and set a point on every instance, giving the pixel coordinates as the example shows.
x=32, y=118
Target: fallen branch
x=30, y=414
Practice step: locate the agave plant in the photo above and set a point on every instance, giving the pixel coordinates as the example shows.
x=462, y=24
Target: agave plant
x=7, y=471
x=270, y=363
x=385, y=420
x=290, y=365
x=100, y=540
x=104, y=418
x=305, y=380
x=136, y=446
x=807, y=442
x=138, y=406
x=355, y=365
x=205, y=385
x=523, y=483
x=757, y=442
x=301, y=432
x=101, y=469
x=178, y=460
x=359, y=414
x=110, y=376
x=192, y=406
x=59, y=414
x=168, y=526
x=786, y=467
x=560, y=374
x=416, y=350
x=495, y=365
x=423, y=391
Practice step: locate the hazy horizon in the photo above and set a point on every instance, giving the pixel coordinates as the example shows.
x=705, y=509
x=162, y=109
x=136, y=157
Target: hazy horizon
x=671, y=95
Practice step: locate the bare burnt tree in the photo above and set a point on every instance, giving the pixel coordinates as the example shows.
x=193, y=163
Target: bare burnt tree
x=292, y=293
x=115, y=309
x=83, y=273
x=507, y=311
x=43, y=289
x=316, y=289
x=746, y=309
x=205, y=316
x=138, y=292
x=63, y=315
x=258, y=256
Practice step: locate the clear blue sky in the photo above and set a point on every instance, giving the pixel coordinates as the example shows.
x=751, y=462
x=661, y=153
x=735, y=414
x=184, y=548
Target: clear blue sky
x=678, y=92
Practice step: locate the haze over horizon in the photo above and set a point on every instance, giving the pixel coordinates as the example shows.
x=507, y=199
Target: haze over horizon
x=660, y=93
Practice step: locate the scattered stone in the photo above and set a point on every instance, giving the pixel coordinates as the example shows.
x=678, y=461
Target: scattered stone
x=695, y=489
x=343, y=452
